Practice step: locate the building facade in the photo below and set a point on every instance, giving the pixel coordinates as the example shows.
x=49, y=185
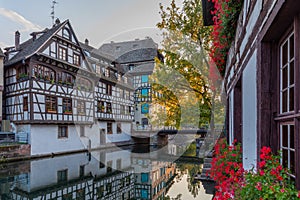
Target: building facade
x=137, y=58
x=55, y=95
x=262, y=82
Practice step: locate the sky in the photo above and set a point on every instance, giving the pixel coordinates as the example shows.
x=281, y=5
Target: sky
x=100, y=21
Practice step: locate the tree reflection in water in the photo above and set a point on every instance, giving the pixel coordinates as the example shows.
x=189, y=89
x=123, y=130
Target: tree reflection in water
x=191, y=170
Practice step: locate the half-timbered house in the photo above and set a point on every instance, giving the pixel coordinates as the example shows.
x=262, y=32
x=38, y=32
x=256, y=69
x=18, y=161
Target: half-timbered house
x=262, y=82
x=113, y=97
x=49, y=90
x=137, y=57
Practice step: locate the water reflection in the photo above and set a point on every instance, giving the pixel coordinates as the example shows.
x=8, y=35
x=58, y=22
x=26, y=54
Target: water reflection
x=107, y=174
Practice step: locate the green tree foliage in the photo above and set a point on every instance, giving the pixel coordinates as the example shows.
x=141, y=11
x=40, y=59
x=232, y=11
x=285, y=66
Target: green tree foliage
x=181, y=83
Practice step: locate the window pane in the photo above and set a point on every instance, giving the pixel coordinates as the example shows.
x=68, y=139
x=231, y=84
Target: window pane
x=145, y=108
x=291, y=46
x=284, y=54
x=144, y=92
x=291, y=99
x=284, y=78
x=285, y=157
x=292, y=145
x=144, y=177
x=292, y=73
x=144, y=78
x=285, y=136
x=284, y=101
x=292, y=162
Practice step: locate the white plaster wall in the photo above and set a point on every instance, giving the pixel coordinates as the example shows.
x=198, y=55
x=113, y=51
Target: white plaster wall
x=252, y=21
x=93, y=134
x=231, y=117
x=249, y=114
x=109, y=155
x=124, y=136
x=44, y=140
x=42, y=175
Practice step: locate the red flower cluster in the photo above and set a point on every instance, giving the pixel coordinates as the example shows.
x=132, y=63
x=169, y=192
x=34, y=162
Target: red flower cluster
x=226, y=169
x=269, y=181
x=225, y=19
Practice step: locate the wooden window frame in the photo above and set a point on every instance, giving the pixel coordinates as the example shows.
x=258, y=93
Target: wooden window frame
x=288, y=66
x=53, y=104
x=63, y=131
x=109, y=128
x=62, y=53
x=66, y=33
x=108, y=89
x=289, y=147
x=42, y=72
x=25, y=103
x=76, y=59
x=22, y=72
x=100, y=106
x=109, y=107
x=67, y=106
x=62, y=175
x=81, y=108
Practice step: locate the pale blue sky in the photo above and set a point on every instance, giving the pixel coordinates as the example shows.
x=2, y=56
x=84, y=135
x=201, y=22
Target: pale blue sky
x=98, y=20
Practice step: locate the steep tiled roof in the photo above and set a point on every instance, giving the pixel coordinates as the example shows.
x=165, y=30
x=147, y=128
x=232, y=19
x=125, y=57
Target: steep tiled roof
x=131, y=51
x=31, y=46
x=95, y=52
x=143, y=68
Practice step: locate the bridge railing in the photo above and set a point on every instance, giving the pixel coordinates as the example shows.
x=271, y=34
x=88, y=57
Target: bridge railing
x=151, y=128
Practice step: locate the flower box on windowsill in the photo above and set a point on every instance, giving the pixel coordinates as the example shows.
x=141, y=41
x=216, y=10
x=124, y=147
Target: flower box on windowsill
x=52, y=111
x=68, y=112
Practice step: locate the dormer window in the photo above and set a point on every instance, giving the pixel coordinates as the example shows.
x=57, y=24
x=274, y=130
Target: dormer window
x=66, y=33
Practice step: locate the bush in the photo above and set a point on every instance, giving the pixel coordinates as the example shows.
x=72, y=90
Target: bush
x=269, y=181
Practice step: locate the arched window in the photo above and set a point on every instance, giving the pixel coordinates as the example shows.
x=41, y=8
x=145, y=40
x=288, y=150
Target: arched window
x=84, y=84
x=65, y=78
x=66, y=33
x=43, y=73
x=22, y=72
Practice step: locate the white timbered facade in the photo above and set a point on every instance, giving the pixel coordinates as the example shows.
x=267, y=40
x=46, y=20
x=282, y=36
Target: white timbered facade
x=53, y=94
x=113, y=97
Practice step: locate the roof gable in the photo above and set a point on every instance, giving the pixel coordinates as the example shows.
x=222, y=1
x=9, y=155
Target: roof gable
x=44, y=43
x=31, y=46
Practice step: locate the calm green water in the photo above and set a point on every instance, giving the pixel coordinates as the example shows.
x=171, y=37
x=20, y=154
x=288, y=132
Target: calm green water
x=130, y=173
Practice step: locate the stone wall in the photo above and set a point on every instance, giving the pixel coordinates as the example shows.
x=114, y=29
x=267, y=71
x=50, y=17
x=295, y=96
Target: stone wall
x=15, y=150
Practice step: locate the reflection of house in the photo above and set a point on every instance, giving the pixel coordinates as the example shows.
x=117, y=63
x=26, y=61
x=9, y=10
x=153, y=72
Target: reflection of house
x=138, y=59
x=79, y=178
x=64, y=96
x=262, y=82
x=152, y=177
x=109, y=174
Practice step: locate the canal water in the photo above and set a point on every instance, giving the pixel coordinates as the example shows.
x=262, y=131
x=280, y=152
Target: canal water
x=133, y=172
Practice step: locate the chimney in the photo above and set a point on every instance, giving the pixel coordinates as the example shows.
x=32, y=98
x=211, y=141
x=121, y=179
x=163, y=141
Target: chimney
x=86, y=41
x=17, y=40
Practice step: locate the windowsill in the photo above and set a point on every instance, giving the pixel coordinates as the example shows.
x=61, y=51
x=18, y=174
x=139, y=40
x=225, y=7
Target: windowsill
x=52, y=111
x=67, y=113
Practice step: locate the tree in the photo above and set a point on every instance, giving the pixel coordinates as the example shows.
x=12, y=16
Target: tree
x=182, y=83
